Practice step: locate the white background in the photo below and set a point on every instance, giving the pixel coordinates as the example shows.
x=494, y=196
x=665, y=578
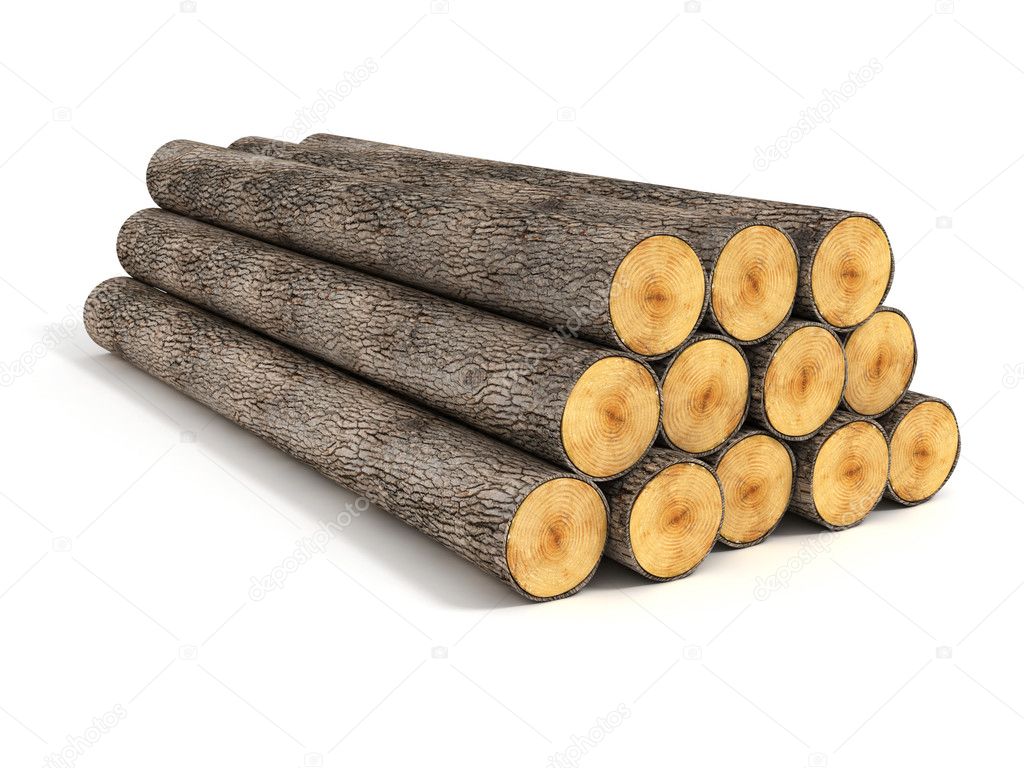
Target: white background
x=133, y=520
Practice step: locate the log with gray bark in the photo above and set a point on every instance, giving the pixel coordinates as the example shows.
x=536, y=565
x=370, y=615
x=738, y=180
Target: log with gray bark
x=578, y=405
x=539, y=529
x=752, y=269
x=664, y=515
x=881, y=356
x=757, y=472
x=924, y=442
x=797, y=379
x=626, y=287
x=841, y=472
x=705, y=388
x=846, y=261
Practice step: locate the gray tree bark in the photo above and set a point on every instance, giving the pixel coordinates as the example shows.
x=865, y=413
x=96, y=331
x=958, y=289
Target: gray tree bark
x=530, y=262
x=806, y=224
x=450, y=482
x=705, y=232
x=506, y=378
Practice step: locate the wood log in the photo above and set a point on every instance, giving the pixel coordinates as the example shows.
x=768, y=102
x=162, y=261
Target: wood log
x=924, y=442
x=664, y=515
x=752, y=269
x=881, y=356
x=537, y=528
x=705, y=392
x=841, y=472
x=846, y=261
x=638, y=290
x=757, y=473
x=588, y=408
x=796, y=379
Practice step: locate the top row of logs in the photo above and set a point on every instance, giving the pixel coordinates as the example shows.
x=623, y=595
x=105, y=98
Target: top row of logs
x=634, y=266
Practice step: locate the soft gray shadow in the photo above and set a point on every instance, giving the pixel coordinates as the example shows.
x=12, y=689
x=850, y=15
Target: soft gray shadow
x=423, y=564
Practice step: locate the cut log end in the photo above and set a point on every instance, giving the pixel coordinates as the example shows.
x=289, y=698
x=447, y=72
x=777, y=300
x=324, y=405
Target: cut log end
x=611, y=417
x=706, y=390
x=756, y=473
x=850, y=473
x=556, y=537
x=851, y=272
x=804, y=381
x=924, y=448
x=754, y=283
x=881, y=355
x=657, y=295
x=675, y=519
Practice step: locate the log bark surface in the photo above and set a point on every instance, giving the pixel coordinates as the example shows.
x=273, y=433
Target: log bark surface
x=806, y=224
x=506, y=378
x=450, y=482
x=622, y=494
x=530, y=262
x=705, y=232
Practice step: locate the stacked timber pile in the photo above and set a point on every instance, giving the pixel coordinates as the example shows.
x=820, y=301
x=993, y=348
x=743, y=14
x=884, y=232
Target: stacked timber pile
x=533, y=367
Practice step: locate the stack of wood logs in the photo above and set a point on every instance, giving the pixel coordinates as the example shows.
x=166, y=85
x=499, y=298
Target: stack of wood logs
x=531, y=366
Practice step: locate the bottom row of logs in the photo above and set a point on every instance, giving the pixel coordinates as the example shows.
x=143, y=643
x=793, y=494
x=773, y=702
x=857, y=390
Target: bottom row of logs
x=540, y=529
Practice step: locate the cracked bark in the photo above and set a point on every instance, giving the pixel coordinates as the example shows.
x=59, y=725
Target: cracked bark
x=452, y=483
x=806, y=224
x=506, y=378
x=531, y=262
x=705, y=232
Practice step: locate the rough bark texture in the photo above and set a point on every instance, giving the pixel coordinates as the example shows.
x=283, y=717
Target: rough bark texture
x=844, y=337
x=806, y=452
x=759, y=356
x=892, y=419
x=716, y=457
x=704, y=231
x=621, y=495
x=661, y=368
x=454, y=484
x=501, y=376
x=531, y=262
x=806, y=224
